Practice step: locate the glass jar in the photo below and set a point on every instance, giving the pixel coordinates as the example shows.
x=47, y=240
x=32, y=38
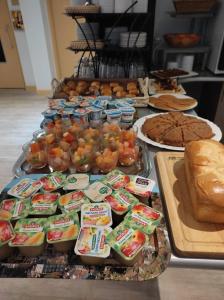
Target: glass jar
x=36, y=156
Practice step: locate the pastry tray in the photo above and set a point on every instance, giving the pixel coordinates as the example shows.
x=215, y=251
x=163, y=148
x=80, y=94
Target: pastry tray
x=154, y=260
x=141, y=167
x=140, y=101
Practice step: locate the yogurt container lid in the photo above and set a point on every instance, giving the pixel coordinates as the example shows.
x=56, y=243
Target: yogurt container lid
x=113, y=112
x=49, y=113
x=121, y=201
x=103, y=98
x=84, y=103
x=119, y=105
x=126, y=241
x=61, y=228
x=76, y=182
x=140, y=186
x=97, y=191
x=71, y=104
x=92, y=242
x=44, y=204
x=80, y=112
x=126, y=109
x=143, y=217
x=96, y=215
x=6, y=232
x=25, y=188
x=5, y=215
x=66, y=111
x=29, y=232
x=95, y=108
x=17, y=208
x=116, y=179
x=72, y=201
x=52, y=181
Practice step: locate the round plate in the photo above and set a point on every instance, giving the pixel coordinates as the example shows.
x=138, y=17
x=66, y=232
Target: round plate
x=180, y=96
x=138, y=127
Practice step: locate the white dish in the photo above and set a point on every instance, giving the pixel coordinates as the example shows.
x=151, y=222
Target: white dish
x=138, y=128
x=190, y=74
x=153, y=90
x=179, y=96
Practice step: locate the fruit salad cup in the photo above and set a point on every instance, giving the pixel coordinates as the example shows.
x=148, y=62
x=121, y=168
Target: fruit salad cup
x=75, y=129
x=58, y=159
x=128, y=136
x=91, y=136
x=83, y=158
x=68, y=142
x=48, y=126
x=128, y=155
x=107, y=161
x=36, y=156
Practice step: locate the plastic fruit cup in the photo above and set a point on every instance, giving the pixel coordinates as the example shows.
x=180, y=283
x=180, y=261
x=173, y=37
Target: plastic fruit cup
x=36, y=156
x=58, y=159
x=107, y=161
x=128, y=155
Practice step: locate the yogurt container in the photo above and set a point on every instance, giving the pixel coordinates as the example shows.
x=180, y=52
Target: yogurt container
x=62, y=231
x=95, y=113
x=6, y=235
x=121, y=201
x=140, y=186
x=17, y=208
x=29, y=236
x=72, y=202
x=113, y=115
x=116, y=179
x=81, y=116
x=127, y=114
x=25, y=188
x=91, y=245
x=127, y=243
x=49, y=113
x=97, y=191
x=52, y=181
x=96, y=215
x=143, y=218
x=76, y=182
x=44, y=204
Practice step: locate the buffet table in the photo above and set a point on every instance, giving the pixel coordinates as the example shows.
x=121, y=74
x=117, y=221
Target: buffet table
x=159, y=254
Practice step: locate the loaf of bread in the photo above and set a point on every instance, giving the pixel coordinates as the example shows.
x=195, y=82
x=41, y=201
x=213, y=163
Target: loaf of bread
x=204, y=167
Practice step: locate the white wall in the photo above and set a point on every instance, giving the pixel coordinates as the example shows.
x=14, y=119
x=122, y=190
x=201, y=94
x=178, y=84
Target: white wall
x=41, y=60
x=23, y=51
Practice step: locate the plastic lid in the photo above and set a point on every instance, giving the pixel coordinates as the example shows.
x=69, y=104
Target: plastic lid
x=96, y=215
x=64, y=227
x=92, y=242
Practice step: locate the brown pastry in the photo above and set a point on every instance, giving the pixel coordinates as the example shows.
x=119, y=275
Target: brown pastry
x=106, y=92
x=135, y=92
x=105, y=86
x=62, y=95
x=95, y=83
x=71, y=84
x=80, y=90
x=114, y=84
x=131, y=86
x=118, y=89
x=171, y=102
x=66, y=89
x=204, y=169
x=176, y=129
x=121, y=94
x=73, y=93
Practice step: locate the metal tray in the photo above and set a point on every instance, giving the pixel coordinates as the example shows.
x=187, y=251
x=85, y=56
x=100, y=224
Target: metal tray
x=141, y=167
x=154, y=260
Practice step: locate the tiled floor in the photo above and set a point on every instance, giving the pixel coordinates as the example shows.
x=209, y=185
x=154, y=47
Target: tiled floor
x=19, y=117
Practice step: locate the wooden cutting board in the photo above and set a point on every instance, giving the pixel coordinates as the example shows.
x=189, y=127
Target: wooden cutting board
x=189, y=237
